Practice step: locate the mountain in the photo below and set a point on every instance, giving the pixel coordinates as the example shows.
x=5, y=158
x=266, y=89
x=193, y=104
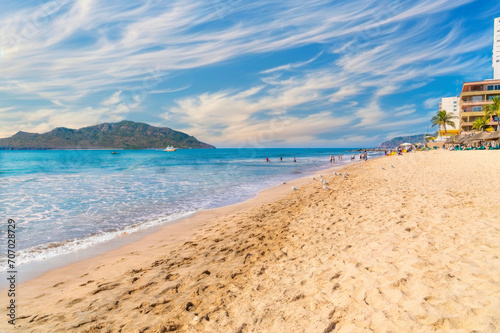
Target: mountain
x=395, y=142
x=124, y=135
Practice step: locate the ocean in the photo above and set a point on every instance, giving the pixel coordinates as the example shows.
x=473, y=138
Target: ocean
x=68, y=200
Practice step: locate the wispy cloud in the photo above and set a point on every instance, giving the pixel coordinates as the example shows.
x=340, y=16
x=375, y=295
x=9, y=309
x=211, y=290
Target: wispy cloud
x=85, y=61
x=291, y=65
x=169, y=91
x=432, y=103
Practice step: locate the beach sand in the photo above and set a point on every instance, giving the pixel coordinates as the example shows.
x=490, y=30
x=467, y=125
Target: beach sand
x=414, y=247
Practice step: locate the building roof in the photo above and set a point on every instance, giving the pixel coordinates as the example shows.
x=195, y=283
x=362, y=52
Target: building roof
x=484, y=81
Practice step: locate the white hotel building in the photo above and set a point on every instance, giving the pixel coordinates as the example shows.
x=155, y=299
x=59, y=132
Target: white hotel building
x=451, y=105
x=496, y=50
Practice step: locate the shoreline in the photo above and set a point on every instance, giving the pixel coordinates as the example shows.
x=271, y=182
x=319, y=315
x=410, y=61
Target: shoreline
x=405, y=244
x=38, y=268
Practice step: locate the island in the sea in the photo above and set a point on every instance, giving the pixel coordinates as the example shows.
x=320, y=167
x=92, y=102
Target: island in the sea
x=122, y=135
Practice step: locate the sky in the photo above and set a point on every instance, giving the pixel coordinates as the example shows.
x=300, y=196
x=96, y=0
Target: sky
x=237, y=73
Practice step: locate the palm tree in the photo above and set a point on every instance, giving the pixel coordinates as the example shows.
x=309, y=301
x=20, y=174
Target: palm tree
x=480, y=124
x=443, y=118
x=494, y=110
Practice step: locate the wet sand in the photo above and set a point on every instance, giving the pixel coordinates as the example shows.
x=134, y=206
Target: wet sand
x=414, y=247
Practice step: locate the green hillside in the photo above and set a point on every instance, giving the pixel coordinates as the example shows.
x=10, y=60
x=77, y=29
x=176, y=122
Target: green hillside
x=122, y=135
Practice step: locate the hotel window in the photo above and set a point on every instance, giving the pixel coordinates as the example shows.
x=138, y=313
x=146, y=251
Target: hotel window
x=491, y=97
x=477, y=108
x=478, y=98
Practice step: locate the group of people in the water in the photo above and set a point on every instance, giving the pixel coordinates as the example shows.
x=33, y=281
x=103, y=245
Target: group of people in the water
x=280, y=159
x=332, y=158
x=362, y=156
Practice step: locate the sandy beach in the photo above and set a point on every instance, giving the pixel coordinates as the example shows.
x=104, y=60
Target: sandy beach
x=413, y=247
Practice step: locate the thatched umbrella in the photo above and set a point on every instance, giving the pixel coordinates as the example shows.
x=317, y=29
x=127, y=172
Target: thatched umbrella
x=476, y=137
x=493, y=136
x=451, y=139
x=481, y=136
x=460, y=139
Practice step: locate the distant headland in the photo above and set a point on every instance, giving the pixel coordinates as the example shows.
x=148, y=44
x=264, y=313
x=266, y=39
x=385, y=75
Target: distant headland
x=122, y=135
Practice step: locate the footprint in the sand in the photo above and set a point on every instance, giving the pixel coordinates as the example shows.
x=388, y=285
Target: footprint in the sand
x=132, y=291
x=171, y=277
x=86, y=283
x=172, y=290
x=105, y=287
x=73, y=302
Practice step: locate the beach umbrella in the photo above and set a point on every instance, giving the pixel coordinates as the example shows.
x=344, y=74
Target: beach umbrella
x=450, y=140
x=460, y=139
x=482, y=136
x=406, y=144
x=493, y=136
x=476, y=137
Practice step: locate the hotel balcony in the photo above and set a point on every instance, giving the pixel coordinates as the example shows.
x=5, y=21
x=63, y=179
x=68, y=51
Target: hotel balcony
x=482, y=92
x=469, y=112
x=470, y=122
x=476, y=102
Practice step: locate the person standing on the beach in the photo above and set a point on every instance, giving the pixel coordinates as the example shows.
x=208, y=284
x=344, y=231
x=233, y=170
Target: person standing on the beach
x=366, y=155
x=281, y=158
x=267, y=159
x=294, y=160
x=331, y=160
x=353, y=157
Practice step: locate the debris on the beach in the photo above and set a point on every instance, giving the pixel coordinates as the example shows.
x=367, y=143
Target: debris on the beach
x=283, y=182
x=325, y=187
x=392, y=166
x=293, y=188
x=382, y=168
x=313, y=178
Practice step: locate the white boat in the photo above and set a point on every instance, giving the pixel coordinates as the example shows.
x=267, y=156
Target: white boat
x=170, y=148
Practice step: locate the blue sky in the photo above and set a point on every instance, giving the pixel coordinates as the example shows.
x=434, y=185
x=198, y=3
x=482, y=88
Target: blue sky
x=239, y=73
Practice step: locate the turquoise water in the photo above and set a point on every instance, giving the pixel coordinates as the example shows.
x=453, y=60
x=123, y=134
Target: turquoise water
x=67, y=200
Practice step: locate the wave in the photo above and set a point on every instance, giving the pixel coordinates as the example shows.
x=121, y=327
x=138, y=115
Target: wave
x=54, y=249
